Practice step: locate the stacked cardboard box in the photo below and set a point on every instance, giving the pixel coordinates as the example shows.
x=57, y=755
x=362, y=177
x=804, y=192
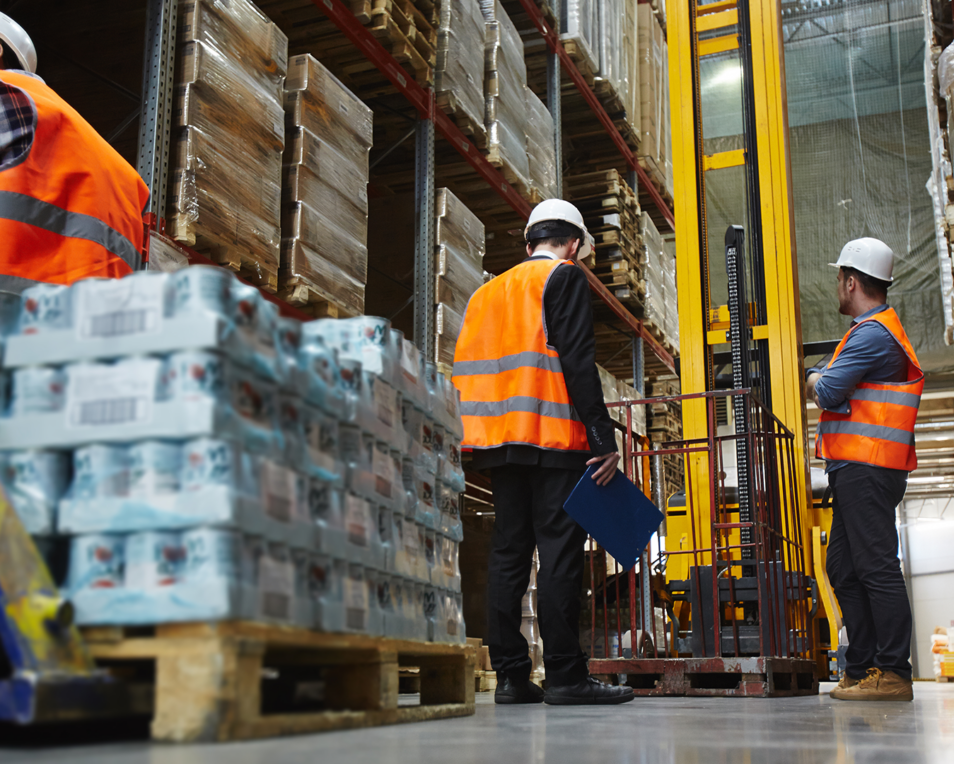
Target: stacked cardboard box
x=229, y=134
x=324, y=189
x=459, y=75
x=459, y=269
x=581, y=32
x=505, y=76
x=659, y=273
x=541, y=150
x=655, y=150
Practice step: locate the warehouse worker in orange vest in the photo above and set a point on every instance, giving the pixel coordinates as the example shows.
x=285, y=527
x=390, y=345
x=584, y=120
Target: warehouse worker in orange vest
x=869, y=396
x=70, y=205
x=534, y=416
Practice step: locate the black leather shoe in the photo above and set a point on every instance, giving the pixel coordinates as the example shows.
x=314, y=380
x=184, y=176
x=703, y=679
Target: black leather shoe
x=524, y=691
x=589, y=692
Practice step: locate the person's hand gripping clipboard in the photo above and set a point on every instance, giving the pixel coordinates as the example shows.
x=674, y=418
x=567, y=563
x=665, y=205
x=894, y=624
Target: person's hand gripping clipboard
x=618, y=515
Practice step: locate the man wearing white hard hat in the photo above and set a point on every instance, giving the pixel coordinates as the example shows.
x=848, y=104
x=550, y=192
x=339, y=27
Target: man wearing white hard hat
x=534, y=415
x=70, y=205
x=869, y=395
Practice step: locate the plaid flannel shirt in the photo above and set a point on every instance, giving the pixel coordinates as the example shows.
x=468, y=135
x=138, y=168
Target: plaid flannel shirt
x=17, y=123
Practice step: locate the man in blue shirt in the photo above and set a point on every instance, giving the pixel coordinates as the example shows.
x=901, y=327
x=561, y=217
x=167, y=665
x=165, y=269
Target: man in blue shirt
x=872, y=370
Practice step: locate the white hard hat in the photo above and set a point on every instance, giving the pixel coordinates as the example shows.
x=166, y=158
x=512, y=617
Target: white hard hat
x=14, y=37
x=558, y=210
x=870, y=256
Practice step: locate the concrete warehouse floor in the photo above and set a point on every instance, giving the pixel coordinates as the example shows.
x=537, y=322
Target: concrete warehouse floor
x=704, y=730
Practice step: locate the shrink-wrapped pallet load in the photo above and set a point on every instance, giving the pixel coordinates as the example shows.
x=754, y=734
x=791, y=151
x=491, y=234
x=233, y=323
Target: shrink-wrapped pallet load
x=581, y=30
x=324, y=188
x=505, y=76
x=655, y=152
x=610, y=14
x=459, y=268
x=630, y=40
x=228, y=136
x=541, y=150
x=659, y=273
x=459, y=74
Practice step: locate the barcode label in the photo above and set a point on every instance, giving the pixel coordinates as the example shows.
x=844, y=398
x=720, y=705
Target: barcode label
x=108, y=396
x=278, y=491
x=119, y=323
x=100, y=413
x=120, y=307
x=357, y=520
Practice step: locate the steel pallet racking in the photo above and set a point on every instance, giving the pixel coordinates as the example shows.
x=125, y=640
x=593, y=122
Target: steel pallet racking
x=155, y=132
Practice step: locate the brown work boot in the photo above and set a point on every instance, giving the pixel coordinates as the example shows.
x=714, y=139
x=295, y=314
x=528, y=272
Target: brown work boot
x=879, y=685
x=843, y=684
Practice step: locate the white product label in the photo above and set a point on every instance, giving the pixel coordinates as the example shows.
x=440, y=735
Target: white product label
x=410, y=360
x=383, y=467
x=412, y=545
x=278, y=491
x=112, y=395
x=120, y=307
x=356, y=602
x=385, y=402
x=276, y=583
x=357, y=520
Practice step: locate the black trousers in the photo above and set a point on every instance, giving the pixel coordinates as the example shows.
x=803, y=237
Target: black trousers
x=864, y=569
x=528, y=504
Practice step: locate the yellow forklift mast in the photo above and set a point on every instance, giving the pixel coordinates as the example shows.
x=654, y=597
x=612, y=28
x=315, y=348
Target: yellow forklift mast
x=738, y=303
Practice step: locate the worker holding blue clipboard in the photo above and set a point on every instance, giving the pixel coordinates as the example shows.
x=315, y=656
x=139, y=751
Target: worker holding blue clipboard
x=534, y=416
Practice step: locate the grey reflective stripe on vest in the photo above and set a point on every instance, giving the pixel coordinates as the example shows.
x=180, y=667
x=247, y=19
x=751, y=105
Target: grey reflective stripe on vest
x=528, y=358
x=896, y=397
x=15, y=284
x=877, y=431
x=75, y=225
x=519, y=403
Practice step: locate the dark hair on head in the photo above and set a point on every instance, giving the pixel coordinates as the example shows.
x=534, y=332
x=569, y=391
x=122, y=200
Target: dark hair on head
x=552, y=241
x=872, y=287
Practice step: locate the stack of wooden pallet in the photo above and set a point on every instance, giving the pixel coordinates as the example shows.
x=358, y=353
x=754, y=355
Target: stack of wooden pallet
x=406, y=28
x=665, y=426
x=225, y=195
x=611, y=213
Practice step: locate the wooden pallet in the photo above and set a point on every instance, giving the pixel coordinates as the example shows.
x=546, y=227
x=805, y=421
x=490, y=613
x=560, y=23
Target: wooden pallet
x=576, y=54
x=218, y=682
x=233, y=257
x=510, y=175
x=311, y=299
x=448, y=102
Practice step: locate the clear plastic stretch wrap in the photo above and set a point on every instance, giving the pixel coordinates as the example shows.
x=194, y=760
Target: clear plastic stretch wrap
x=459, y=74
x=505, y=103
x=659, y=273
x=611, y=23
x=630, y=60
x=627, y=393
x=206, y=459
x=541, y=151
x=459, y=268
x=325, y=184
x=654, y=93
x=316, y=99
x=581, y=25
x=226, y=176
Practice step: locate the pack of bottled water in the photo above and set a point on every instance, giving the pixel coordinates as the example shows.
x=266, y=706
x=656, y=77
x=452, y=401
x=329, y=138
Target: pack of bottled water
x=208, y=458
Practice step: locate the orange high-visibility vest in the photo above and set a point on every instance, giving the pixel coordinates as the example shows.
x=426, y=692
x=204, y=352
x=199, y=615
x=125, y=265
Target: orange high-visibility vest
x=879, y=429
x=72, y=207
x=511, y=383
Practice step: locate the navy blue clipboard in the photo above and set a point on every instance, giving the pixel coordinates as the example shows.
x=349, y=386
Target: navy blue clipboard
x=618, y=515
